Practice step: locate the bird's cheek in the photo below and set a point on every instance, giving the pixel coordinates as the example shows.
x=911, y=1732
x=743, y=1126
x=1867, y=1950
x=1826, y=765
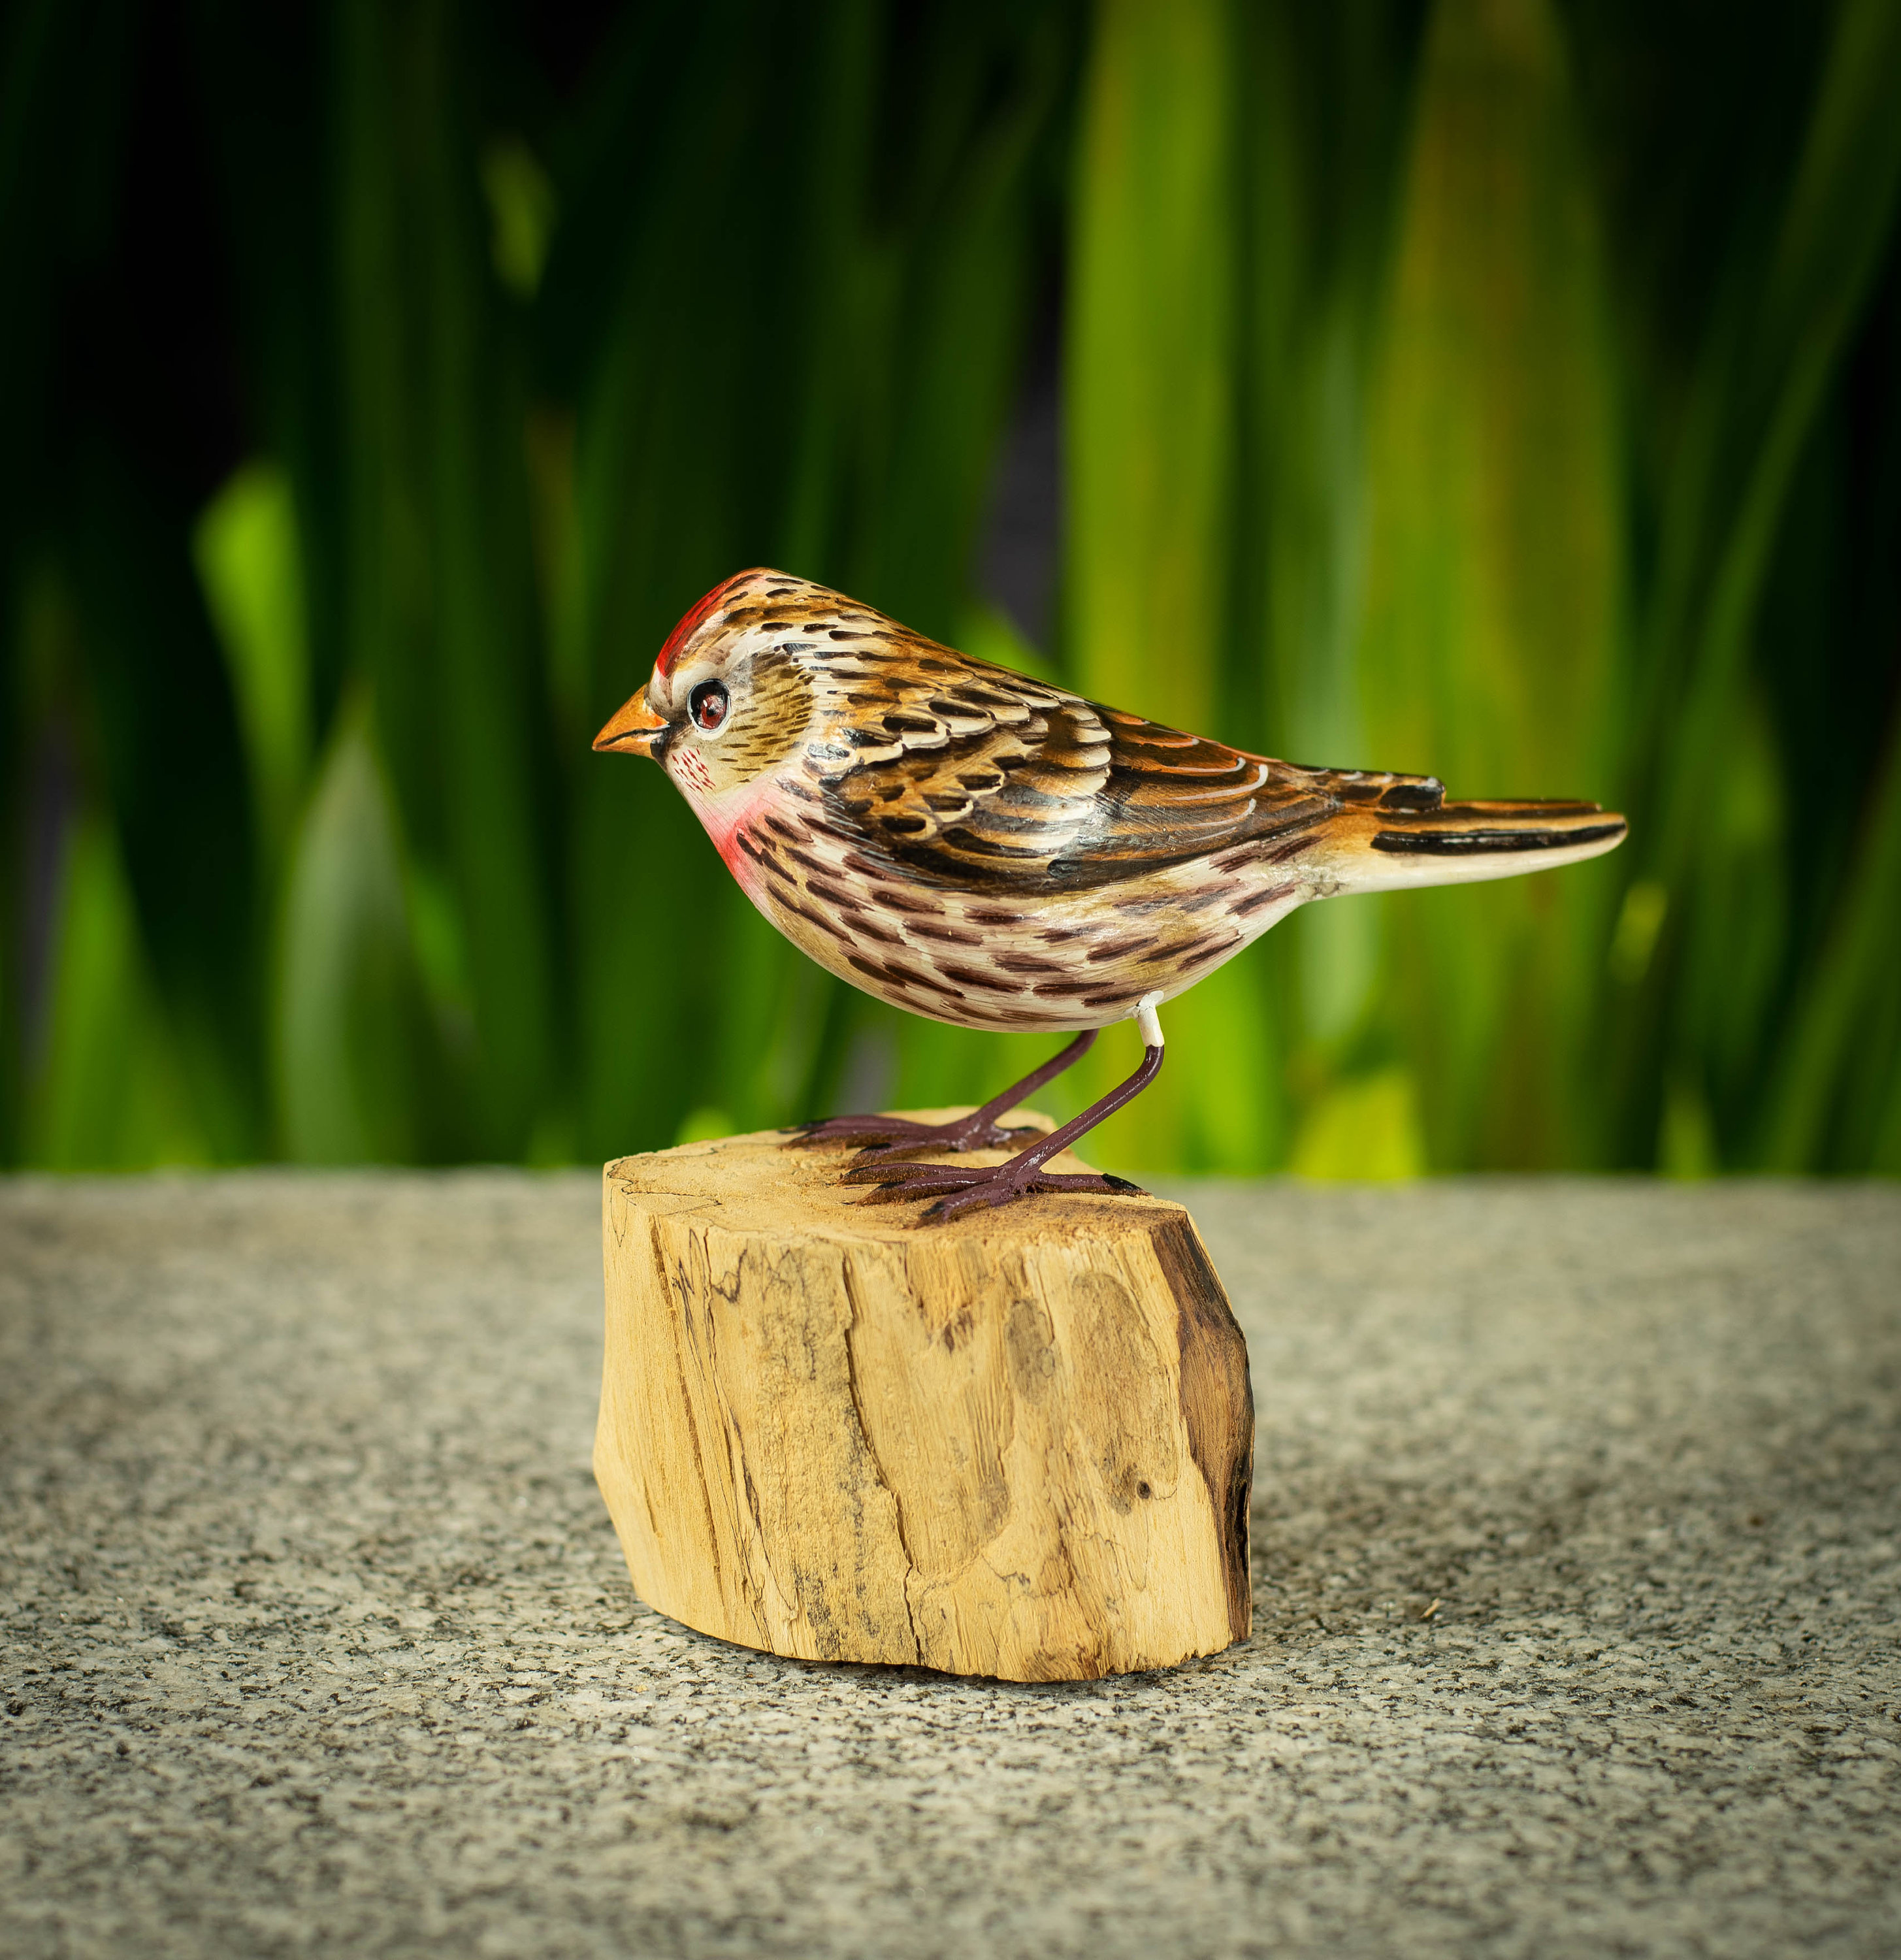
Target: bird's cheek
x=690, y=770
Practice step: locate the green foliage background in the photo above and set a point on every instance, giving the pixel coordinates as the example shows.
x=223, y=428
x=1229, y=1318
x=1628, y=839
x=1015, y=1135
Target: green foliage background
x=1501, y=388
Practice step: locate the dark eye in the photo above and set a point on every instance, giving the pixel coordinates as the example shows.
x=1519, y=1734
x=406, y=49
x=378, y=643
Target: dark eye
x=708, y=703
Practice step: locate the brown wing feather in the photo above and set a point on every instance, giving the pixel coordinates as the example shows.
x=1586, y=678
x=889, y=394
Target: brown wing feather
x=965, y=773
x=1172, y=796
x=1050, y=792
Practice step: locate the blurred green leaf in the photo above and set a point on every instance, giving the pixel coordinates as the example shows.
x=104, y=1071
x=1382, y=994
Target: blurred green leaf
x=1366, y=1128
x=351, y=1034
x=1493, y=646
x=1150, y=429
x=1761, y=382
x=105, y=1091
x=438, y=603
x=246, y=546
x=521, y=203
x=1831, y=1097
x=1150, y=375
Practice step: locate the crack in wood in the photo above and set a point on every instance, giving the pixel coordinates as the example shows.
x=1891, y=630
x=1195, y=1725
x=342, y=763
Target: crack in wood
x=871, y=1452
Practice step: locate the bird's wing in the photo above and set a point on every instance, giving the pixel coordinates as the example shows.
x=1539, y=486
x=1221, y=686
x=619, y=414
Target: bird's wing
x=965, y=773
x=949, y=767
x=1172, y=796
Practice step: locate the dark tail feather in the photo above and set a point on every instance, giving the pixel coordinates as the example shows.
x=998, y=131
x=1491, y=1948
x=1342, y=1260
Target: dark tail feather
x=1406, y=833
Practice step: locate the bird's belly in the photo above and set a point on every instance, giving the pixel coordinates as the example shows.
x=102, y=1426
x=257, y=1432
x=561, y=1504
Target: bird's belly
x=1073, y=960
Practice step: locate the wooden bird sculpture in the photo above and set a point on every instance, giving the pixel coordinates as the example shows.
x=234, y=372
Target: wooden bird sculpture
x=995, y=851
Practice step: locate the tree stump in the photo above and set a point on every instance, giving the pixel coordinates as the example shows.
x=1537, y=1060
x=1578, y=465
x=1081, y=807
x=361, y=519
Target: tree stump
x=1019, y=1445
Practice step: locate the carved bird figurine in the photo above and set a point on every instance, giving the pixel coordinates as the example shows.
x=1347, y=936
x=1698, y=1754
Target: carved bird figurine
x=997, y=852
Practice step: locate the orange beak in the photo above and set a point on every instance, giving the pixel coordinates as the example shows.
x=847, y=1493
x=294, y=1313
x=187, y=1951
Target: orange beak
x=633, y=727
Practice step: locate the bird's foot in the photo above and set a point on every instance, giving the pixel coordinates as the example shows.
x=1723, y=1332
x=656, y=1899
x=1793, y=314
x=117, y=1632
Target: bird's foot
x=956, y=1189
x=880, y=1139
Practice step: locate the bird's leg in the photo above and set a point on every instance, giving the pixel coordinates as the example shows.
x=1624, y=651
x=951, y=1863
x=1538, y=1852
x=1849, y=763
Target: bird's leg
x=959, y=1187
x=882, y=1138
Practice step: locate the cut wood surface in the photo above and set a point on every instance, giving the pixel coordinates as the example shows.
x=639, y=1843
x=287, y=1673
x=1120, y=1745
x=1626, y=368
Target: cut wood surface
x=1018, y=1445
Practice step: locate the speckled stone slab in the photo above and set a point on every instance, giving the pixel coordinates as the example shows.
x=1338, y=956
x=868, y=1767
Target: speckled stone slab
x=1578, y=1588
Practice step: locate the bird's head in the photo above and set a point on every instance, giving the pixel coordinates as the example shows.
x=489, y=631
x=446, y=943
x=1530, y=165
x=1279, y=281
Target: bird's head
x=730, y=697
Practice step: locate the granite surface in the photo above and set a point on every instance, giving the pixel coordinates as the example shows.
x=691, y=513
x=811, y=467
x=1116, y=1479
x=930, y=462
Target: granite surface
x=1577, y=1568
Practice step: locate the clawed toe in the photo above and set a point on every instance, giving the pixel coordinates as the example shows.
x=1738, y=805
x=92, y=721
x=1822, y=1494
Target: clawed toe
x=993, y=1139
x=892, y=1183
x=865, y=1168
x=886, y=1138
x=999, y=1189
x=864, y=1132
x=953, y=1189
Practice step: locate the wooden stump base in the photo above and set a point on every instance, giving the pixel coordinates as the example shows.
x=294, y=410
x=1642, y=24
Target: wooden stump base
x=1019, y=1445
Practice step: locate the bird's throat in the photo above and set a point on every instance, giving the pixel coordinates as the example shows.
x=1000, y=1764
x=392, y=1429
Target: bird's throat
x=725, y=816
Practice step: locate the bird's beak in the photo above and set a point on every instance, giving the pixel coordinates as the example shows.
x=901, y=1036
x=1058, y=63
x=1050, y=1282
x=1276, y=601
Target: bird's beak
x=633, y=728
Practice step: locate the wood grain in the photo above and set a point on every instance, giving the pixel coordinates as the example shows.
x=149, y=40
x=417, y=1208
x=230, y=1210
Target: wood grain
x=1020, y=1446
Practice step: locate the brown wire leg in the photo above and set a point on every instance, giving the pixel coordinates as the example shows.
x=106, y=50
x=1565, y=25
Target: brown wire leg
x=959, y=1187
x=881, y=1138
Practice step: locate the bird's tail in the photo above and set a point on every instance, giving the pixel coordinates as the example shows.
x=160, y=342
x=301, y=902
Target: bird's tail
x=1397, y=831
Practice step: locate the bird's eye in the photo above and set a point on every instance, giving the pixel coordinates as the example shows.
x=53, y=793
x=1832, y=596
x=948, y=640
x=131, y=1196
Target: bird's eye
x=707, y=703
